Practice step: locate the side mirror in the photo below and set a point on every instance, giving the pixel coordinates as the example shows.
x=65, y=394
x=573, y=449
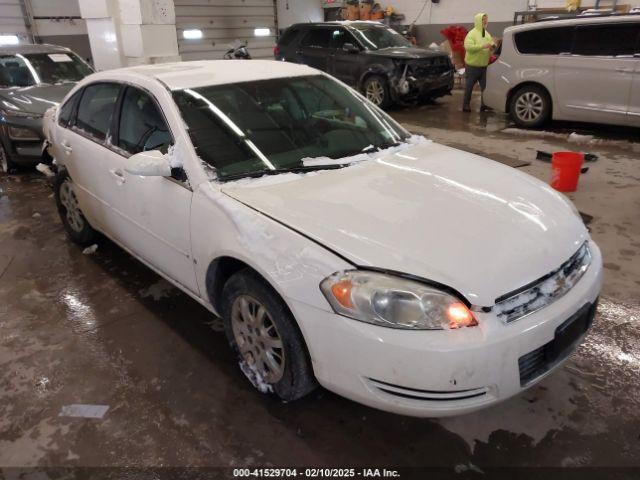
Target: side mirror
x=152, y=163
x=350, y=48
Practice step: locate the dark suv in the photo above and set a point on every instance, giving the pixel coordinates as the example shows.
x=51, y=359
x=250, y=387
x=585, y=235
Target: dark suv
x=32, y=79
x=376, y=60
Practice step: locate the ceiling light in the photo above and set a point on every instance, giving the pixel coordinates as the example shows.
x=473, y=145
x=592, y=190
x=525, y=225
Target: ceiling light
x=192, y=34
x=9, y=40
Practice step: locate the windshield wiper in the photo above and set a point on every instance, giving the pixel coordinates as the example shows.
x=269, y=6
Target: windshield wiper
x=277, y=171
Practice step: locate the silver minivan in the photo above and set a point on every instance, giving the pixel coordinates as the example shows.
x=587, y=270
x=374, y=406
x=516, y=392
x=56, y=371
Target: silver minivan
x=584, y=69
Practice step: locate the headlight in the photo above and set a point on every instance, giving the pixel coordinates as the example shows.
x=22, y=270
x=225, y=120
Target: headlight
x=394, y=302
x=18, y=133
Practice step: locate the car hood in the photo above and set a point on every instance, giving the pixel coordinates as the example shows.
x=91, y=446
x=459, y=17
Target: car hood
x=405, y=53
x=479, y=227
x=36, y=99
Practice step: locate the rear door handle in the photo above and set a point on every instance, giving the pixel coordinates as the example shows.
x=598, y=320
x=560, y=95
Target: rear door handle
x=118, y=175
x=624, y=70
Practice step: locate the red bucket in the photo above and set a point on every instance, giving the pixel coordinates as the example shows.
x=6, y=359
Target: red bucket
x=566, y=170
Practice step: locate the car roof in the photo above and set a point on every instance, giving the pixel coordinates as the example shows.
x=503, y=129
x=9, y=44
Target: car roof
x=181, y=75
x=26, y=48
x=578, y=20
x=348, y=23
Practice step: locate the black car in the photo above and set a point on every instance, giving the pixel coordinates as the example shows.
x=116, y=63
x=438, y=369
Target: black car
x=33, y=78
x=371, y=57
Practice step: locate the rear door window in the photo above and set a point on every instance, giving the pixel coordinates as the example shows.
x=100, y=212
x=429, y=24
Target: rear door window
x=288, y=36
x=96, y=109
x=545, y=41
x=65, y=118
x=318, y=38
x=606, y=40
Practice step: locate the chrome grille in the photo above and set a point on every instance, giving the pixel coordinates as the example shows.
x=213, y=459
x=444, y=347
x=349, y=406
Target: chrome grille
x=544, y=291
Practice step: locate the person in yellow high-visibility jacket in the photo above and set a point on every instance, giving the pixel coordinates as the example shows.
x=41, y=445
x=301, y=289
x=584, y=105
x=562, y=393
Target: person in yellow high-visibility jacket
x=478, y=45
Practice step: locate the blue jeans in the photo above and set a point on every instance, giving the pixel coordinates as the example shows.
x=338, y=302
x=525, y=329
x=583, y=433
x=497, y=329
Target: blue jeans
x=473, y=75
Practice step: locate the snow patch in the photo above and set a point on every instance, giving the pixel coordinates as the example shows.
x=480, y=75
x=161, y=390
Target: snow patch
x=267, y=180
x=577, y=138
x=159, y=290
x=466, y=467
x=90, y=250
x=45, y=170
x=175, y=160
x=361, y=157
x=255, y=378
x=533, y=133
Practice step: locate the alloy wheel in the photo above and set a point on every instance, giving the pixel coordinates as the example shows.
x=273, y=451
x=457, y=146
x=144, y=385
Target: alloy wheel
x=529, y=106
x=69, y=201
x=257, y=338
x=375, y=92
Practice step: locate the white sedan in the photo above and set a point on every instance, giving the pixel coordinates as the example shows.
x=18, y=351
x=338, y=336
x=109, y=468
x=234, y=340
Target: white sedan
x=338, y=249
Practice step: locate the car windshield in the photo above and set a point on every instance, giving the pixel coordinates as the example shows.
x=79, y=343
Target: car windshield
x=273, y=125
x=377, y=37
x=23, y=70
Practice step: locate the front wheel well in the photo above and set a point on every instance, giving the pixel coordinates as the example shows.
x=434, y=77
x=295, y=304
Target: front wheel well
x=218, y=273
x=517, y=88
x=370, y=73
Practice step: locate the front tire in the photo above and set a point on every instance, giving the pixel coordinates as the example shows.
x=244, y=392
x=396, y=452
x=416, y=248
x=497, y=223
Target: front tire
x=530, y=107
x=265, y=337
x=6, y=165
x=376, y=89
x=75, y=224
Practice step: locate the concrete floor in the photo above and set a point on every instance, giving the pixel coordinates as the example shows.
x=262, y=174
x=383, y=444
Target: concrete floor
x=102, y=329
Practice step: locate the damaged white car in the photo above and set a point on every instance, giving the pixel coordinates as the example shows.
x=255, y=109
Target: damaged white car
x=338, y=249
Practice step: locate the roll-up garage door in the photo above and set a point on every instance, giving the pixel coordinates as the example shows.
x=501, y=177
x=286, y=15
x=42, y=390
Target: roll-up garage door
x=222, y=22
x=12, y=18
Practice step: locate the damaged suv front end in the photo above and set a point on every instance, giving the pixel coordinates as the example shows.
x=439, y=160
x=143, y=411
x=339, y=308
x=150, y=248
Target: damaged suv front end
x=421, y=79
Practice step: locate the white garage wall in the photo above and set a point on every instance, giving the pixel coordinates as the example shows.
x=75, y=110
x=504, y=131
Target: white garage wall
x=52, y=21
x=222, y=22
x=298, y=11
x=11, y=18
x=457, y=11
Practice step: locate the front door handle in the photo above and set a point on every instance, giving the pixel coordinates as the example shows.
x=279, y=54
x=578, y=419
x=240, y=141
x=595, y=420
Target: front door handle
x=624, y=70
x=118, y=175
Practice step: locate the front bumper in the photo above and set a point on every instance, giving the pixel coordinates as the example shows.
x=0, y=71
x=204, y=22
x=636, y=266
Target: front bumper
x=424, y=86
x=438, y=373
x=20, y=151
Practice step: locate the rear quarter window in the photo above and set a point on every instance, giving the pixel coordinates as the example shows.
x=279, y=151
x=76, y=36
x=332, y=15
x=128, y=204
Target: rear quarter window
x=317, y=37
x=545, y=41
x=606, y=40
x=288, y=36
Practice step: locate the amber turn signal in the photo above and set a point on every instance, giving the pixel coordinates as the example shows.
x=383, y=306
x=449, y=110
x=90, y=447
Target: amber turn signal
x=342, y=293
x=460, y=316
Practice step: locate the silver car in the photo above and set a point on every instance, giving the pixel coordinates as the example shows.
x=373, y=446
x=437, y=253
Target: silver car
x=584, y=69
x=32, y=79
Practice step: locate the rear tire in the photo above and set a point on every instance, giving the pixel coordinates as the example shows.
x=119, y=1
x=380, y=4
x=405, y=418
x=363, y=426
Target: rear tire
x=75, y=224
x=530, y=107
x=265, y=337
x=376, y=89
